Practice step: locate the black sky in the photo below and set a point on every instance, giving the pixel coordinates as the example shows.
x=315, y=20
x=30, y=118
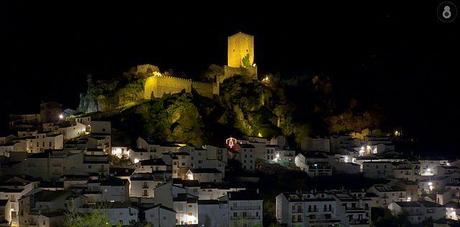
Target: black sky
x=399, y=55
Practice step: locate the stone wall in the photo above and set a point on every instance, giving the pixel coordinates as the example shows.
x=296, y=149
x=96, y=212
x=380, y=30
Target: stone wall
x=204, y=89
x=157, y=86
x=231, y=71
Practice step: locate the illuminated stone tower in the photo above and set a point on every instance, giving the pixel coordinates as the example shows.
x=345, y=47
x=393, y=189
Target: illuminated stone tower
x=240, y=50
x=240, y=54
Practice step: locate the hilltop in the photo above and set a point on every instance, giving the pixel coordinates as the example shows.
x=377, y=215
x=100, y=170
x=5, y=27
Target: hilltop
x=246, y=106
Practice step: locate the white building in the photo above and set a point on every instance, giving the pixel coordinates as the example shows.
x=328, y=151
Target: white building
x=213, y=213
x=245, y=208
x=151, y=166
x=143, y=184
x=11, y=191
x=186, y=207
x=118, y=213
x=377, y=169
x=121, y=151
x=72, y=131
x=418, y=211
x=247, y=157
x=331, y=208
x=306, y=209
x=388, y=194
x=38, y=142
x=160, y=216
x=205, y=175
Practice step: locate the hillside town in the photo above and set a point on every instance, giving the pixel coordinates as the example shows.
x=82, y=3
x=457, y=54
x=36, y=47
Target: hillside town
x=55, y=164
x=58, y=164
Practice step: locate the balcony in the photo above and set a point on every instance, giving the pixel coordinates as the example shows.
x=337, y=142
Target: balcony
x=245, y=218
x=245, y=208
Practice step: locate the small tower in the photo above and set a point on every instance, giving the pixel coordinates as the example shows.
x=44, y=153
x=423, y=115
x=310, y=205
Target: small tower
x=240, y=50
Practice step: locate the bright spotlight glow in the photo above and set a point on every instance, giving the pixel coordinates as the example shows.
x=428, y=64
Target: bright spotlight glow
x=61, y=116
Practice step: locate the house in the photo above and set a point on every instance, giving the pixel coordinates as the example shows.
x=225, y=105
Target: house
x=245, y=208
x=319, y=169
x=388, y=194
x=213, y=213
x=110, y=189
x=353, y=209
x=429, y=167
x=121, y=152
x=377, y=169
x=12, y=189
x=214, y=191
x=144, y=184
x=155, y=149
x=408, y=171
x=247, y=158
x=35, y=141
x=160, y=215
x=306, y=209
x=186, y=207
x=118, y=213
x=418, y=211
x=284, y=157
x=204, y=175
x=151, y=166
x=71, y=131
x=47, y=208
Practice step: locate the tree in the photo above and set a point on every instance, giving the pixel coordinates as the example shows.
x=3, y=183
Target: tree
x=94, y=218
x=245, y=61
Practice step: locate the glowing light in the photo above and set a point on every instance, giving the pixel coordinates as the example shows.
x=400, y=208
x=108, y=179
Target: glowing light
x=191, y=219
x=136, y=160
x=397, y=133
x=277, y=157
x=409, y=199
x=231, y=142
x=427, y=172
x=189, y=176
x=266, y=79
x=430, y=185
x=315, y=165
x=259, y=134
x=61, y=116
x=451, y=213
x=346, y=159
x=361, y=151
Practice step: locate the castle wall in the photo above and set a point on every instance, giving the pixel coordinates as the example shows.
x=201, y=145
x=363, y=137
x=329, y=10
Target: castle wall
x=231, y=71
x=204, y=89
x=157, y=86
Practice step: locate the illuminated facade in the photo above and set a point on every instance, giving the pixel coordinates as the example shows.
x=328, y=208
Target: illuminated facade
x=240, y=62
x=240, y=47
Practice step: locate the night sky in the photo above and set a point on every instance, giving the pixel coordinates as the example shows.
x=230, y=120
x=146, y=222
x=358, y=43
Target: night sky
x=400, y=56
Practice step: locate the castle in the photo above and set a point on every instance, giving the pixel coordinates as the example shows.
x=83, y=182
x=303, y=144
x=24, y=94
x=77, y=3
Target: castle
x=240, y=61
